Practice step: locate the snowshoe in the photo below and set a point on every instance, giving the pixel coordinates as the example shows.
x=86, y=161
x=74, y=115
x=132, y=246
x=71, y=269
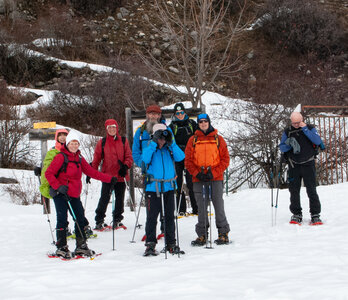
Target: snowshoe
x=102, y=227
x=200, y=241
x=119, y=225
x=64, y=253
x=161, y=235
x=173, y=249
x=223, y=239
x=83, y=250
x=150, y=249
x=296, y=219
x=315, y=220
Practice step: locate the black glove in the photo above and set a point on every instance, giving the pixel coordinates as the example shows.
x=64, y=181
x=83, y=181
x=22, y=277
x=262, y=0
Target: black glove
x=37, y=171
x=63, y=189
x=113, y=180
x=157, y=135
x=123, y=169
x=209, y=176
x=88, y=179
x=201, y=176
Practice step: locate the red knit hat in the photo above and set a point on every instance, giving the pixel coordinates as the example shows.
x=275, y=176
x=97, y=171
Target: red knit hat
x=153, y=108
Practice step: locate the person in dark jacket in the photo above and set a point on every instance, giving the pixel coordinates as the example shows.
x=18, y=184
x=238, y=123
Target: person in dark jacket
x=160, y=157
x=183, y=128
x=66, y=189
x=116, y=158
x=298, y=145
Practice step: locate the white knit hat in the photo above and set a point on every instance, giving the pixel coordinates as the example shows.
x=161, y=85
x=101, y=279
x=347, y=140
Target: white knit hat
x=73, y=136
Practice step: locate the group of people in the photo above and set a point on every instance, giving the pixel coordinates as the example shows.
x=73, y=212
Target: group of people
x=166, y=155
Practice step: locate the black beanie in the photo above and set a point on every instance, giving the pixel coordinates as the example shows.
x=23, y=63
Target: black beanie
x=179, y=106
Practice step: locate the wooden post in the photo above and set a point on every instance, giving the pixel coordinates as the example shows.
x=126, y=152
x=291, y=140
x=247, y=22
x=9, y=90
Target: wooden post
x=43, y=132
x=129, y=132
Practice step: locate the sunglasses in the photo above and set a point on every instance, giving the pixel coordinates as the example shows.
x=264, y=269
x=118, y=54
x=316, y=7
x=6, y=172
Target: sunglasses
x=111, y=126
x=202, y=121
x=178, y=113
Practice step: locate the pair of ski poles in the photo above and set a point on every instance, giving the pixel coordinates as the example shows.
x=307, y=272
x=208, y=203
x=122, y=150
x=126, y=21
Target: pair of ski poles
x=207, y=187
x=274, y=204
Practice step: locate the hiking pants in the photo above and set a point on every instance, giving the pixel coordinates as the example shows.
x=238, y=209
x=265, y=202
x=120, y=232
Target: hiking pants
x=218, y=203
x=153, y=209
x=295, y=175
x=62, y=208
x=106, y=191
x=179, y=168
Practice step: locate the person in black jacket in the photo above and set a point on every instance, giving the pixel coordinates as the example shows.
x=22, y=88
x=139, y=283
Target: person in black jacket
x=183, y=128
x=298, y=143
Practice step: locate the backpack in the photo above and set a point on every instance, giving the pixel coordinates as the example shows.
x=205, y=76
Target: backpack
x=45, y=187
x=206, y=152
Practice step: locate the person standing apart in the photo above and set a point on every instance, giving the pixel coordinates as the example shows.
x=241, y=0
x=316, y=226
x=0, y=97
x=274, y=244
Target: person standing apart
x=299, y=143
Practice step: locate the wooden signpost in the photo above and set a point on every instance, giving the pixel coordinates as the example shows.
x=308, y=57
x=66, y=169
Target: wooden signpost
x=43, y=132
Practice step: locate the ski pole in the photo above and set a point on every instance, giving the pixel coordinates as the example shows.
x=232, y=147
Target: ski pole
x=180, y=196
x=210, y=200
x=130, y=196
x=164, y=220
x=113, y=218
x=278, y=187
x=272, y=202
x=177, y=227
x=137, y=218
x=74, y=218
x=86, y=197
x=46, y=213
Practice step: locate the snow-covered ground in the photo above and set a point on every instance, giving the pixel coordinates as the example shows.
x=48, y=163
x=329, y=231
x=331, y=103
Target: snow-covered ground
x=263, y=262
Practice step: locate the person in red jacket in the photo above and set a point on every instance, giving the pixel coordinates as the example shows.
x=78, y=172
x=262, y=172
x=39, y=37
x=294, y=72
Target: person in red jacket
x=64, y=176
x=116, y=158
x=206, y=158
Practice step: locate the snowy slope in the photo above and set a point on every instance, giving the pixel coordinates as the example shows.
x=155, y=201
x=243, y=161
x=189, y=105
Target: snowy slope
x=263, y=262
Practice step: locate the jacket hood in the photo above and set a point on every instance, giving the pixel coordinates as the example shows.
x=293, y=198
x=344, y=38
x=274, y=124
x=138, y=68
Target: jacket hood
x=111, y=122
x=58, y=145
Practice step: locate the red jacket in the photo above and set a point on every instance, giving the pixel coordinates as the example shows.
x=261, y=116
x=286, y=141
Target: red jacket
x=114, y=150
x=73, y=174
x=224, y=158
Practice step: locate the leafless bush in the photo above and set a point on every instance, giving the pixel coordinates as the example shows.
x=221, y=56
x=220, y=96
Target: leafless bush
x=86, y=109
x=303, y=27
x=253, y=146
x=26, y=192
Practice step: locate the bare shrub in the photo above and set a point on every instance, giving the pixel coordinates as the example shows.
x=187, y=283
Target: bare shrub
x=303, y=27
x=253, y=147
x=86, y=109
x=26, y=192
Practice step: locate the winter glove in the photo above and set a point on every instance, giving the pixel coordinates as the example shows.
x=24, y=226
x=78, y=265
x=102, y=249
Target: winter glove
x=113, y=181
x=123, y=169
x=63, y=189
x=168, y=137
x=88, y=179
x=37, y=171
x=209, y=176
x=201, y=176
x=291, y=141
x=157, y=135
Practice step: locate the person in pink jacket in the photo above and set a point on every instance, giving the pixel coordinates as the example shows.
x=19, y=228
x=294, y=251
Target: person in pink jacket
x=116, y=157
x=64, y=176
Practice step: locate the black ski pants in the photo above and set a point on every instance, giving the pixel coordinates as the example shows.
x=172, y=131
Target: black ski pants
x=62, y=208
x=119, y=189
x=153, y=209
x=180, y=170
x=308, y=174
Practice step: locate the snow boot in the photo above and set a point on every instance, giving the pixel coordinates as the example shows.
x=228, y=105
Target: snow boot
x=223, y=239
x=173, y=249
x=296, y=219
x=61, y=237
x=82, y=248
x=88, y=231
x=200, y=241
x=100, y=226
x=315, y=220
x=64, y=252
x=150, y=249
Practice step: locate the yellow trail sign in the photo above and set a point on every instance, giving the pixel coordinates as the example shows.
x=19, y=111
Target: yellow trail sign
x=44, y=125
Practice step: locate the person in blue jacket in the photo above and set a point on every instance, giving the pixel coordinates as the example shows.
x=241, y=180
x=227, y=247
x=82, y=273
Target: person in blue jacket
x=299, y=143
x=159, y=159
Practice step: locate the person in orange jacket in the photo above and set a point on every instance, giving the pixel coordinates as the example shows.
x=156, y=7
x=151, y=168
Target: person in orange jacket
x=206, y=158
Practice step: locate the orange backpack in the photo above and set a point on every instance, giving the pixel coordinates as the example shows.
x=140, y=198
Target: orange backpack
x=206, y=152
